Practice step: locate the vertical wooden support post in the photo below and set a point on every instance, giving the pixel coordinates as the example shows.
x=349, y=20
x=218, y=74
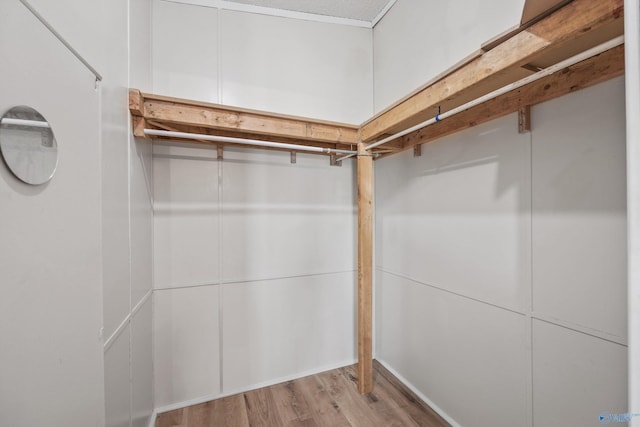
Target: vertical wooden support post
x=365, y=270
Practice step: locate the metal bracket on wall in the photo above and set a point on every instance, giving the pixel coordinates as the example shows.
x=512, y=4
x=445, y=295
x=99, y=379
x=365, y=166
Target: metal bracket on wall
x=417, y=150
x=333, y=160
x=220, y=152
x=293, y=157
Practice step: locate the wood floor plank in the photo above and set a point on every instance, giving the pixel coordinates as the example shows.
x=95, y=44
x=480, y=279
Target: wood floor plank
x=325, y=410
x=261, y=408
x=291, y=403
x=229, y=411
x=354, y=405
x=199, y=415
x=175, y=418
x=388, y=412
x=328, y=399
x=379, y=401
x=306, y=423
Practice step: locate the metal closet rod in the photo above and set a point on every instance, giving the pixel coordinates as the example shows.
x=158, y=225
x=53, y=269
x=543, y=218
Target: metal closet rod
x=23, y=122
x=244, y=141
x=508, y=88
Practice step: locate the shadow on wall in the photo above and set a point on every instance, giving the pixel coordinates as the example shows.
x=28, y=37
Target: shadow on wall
x=493, y=150
x=460, y=213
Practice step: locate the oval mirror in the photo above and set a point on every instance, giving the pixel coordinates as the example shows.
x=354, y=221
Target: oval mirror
x=28, y=145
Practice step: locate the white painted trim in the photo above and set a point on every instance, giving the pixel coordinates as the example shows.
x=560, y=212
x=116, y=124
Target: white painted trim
x=418, y=393
x=280, y=13
x=154, y=417
x=632, y=87
x=269, y=383
x=142, y=302
x=220, y=266
x=238, y=7
x=204, y=3
x=109, y=342
x=382, y=13
x=219, y=43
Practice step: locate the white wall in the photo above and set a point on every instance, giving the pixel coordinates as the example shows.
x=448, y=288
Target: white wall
x=417, y=40
x=114, y=36
x=283, y=65
x=579, y=256
x=127, y=216
x=501, y=266
x=254, y=256
x=501, y=257
x=141, y=224
x=297, y=67
x=51, y=362
x=254, y=269
x=453, y=271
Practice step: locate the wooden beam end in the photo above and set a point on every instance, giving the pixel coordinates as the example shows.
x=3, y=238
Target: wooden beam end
x=136, y=102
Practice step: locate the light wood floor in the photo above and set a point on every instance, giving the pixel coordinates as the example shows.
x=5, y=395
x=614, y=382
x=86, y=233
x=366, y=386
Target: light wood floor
x=328, y=399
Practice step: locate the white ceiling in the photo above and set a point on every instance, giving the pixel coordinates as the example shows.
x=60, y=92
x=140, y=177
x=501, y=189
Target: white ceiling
x=362, y=10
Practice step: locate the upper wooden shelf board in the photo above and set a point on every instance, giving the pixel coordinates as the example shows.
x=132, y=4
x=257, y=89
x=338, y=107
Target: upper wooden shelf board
x=571, y=29
x=568, y=28
x=181, y=115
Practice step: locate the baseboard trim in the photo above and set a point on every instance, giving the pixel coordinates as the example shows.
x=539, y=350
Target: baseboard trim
x=269, y=383
x=282, y=13
x=419, y=394
x=152, y=420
